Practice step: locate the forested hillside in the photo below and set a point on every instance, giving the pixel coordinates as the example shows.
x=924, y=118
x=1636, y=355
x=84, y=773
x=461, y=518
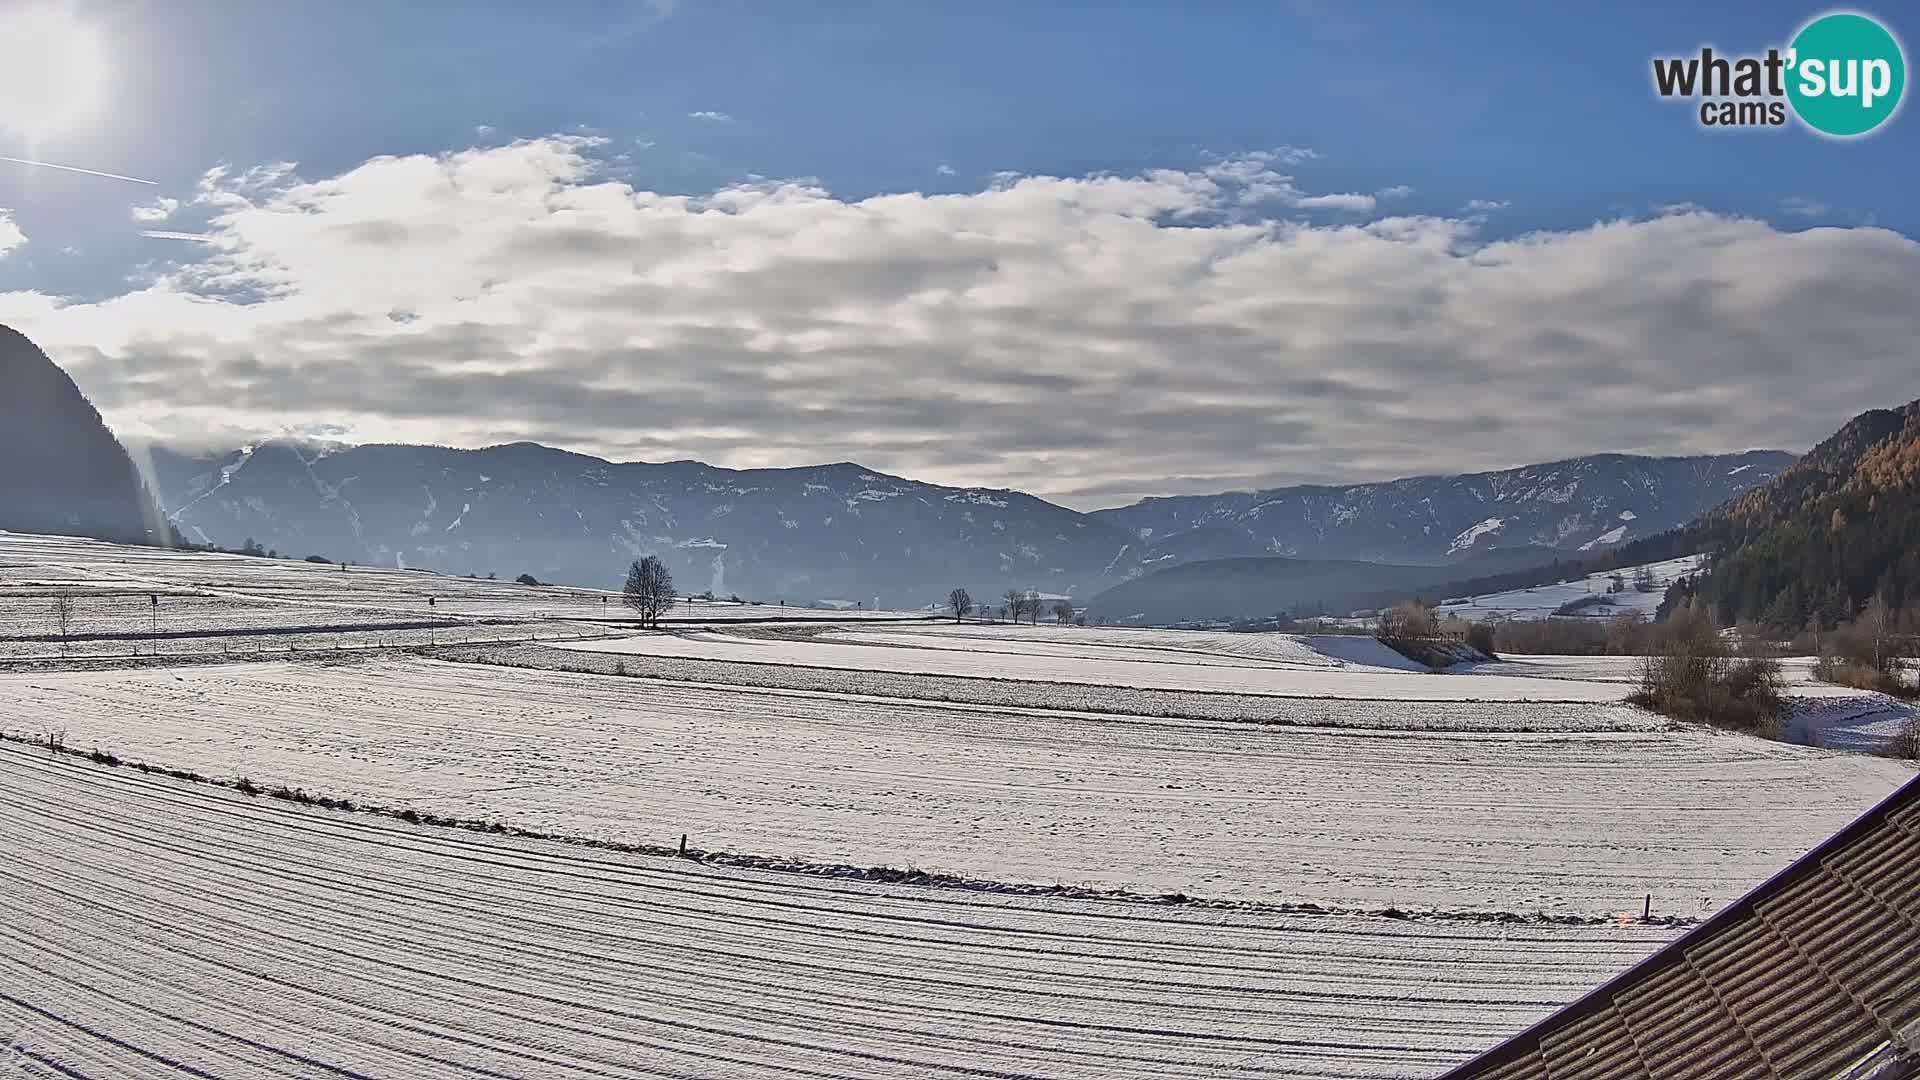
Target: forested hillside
x=61, y=470
x=1839, y=528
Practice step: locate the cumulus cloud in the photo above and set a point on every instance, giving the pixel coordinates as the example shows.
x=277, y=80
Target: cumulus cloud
x=1397, y=191
x=1484, y=206
x=1801, y=206
x=10, y=235
x=1088, y=338
x=156, y=211
x=943, y=170
x=711, y=116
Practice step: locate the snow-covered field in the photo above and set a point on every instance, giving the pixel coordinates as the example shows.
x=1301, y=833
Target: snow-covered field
x=1556, y=820
x=127, y=601
x=1366, y=713
x=1797, y=671
x=150, y=927
x=1105, y=657
x=1543, y=600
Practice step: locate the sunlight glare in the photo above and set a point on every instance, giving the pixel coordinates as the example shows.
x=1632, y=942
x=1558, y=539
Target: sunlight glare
x=53, y=71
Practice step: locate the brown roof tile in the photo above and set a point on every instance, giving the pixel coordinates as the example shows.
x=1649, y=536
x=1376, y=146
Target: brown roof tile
x=1807, y=976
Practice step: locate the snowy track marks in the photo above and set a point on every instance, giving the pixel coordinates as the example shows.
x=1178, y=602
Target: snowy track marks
x=151, y=927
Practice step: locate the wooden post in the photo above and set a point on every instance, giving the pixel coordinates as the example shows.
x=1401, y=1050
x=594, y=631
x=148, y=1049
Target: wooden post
x=683, y=845
x=1647, y=915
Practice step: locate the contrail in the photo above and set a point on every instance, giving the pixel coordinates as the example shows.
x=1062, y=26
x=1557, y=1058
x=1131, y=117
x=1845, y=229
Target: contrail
x=168, y=234
x=76, y=169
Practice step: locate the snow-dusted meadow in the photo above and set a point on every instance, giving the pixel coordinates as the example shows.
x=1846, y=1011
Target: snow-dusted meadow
x=125, y=601
x=1106, y=657
x=150, y=925
x=1566, y=817
x=1542, y=601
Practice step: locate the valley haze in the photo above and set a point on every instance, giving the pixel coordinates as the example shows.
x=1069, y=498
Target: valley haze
x=843, y=532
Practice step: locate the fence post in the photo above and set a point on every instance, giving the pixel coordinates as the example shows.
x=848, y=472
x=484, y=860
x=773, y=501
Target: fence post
x=683, y=845
x=1647, y=915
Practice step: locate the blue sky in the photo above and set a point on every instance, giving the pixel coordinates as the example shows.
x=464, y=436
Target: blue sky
x=1546, y=109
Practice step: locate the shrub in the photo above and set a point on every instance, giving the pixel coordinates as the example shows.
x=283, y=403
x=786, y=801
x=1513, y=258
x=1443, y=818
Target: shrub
x=1906, y=743
x=1867, y=653
x=1692, y=676
x=1481, y=636
x=1582, y=603
x=1409, y=621
x=527, y=579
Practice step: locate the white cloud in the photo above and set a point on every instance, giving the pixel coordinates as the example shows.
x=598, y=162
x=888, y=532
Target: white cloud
x=10, y=235
x=711, y=116
x=157, y=211
x=1092, y=336
x=1352, y=203
x=1397, y=191
x=943, y=170
x=1801, y=206
x=1484, y=206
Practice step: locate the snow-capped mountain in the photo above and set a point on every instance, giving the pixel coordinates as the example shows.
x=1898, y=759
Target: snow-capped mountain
x=827, y=532
x=1581, y=504
x=844, y=532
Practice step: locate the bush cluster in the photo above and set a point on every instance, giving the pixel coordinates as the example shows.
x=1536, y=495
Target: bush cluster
x=1693, y=675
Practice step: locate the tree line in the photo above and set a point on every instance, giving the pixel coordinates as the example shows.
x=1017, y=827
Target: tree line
x=1015, y=605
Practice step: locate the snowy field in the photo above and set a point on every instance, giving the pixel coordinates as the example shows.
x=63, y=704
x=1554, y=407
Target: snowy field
x=1106, y=657
x=31, y=565
x=1002, y=693
x=1543, y=600
x=150, y=927
x=1560, y=821
x=122, y=600
x=1796, y=671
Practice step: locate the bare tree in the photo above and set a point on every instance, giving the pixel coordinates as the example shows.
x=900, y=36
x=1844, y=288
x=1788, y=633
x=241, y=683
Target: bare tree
x=1016, y=604
x=1411, y=621
x=960, y=603
x=1865, y=652
x=1063, y=611
x=649, y=590
x=1032, y=600
x=63, y=615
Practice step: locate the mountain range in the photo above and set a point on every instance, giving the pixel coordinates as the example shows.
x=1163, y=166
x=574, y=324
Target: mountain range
x=847, y=533
x=837, y=533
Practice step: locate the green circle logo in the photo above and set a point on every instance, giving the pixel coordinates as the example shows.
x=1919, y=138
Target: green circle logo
x=1845, y=74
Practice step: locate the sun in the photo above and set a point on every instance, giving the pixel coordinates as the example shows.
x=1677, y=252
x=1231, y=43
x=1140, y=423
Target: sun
x=53, y=71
